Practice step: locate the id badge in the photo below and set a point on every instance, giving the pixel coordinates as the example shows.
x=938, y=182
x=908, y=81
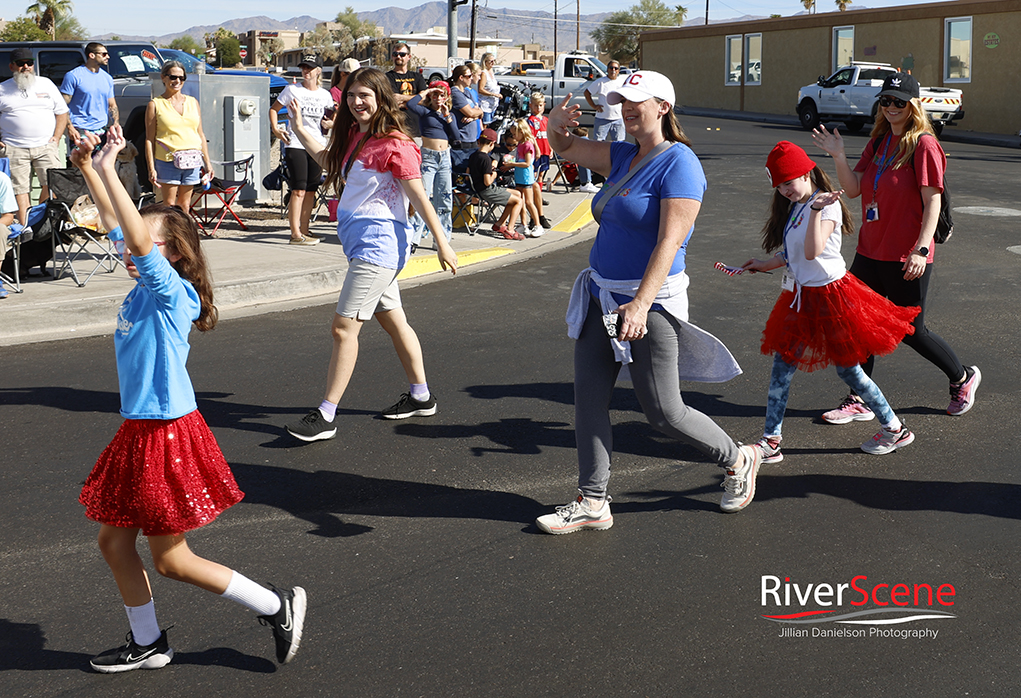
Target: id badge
x=787, y=282
x=872, y=212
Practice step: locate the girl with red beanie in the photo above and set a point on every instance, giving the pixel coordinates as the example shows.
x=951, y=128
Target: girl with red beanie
x=824, y=315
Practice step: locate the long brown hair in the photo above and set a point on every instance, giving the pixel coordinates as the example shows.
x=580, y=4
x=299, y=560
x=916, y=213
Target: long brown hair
x=917, y=125
x=672, y=130
x=181, y=235
x=387, y=122
x=780, y=210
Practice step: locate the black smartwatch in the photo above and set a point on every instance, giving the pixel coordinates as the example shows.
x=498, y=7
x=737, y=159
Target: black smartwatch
x=924, y=251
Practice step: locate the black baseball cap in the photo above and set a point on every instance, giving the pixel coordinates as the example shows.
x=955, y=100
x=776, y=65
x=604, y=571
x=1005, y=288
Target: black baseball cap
x=22, y=54
x=312, y=60
x=901, y=86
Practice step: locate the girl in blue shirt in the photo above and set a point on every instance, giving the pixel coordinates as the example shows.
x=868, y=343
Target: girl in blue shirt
x=163, y=473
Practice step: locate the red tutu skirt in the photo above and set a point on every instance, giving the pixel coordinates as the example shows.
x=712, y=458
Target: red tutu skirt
x=162, y=476
x=840, y=324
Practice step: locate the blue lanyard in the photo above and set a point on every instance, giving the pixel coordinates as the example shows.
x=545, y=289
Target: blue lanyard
x=883, y=164
x=794, y=221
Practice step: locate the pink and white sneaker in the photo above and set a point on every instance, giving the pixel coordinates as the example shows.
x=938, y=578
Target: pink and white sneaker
x=852, y=409
x=962, y=396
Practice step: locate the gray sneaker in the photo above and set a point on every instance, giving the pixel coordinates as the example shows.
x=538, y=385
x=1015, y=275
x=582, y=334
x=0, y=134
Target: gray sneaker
x=887, y=441
x=312, y=427
x=739, y=482
x=576, y=517
x=770, y=449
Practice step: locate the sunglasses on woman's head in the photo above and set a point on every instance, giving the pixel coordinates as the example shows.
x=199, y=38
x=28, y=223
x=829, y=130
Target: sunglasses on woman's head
x=888, y=101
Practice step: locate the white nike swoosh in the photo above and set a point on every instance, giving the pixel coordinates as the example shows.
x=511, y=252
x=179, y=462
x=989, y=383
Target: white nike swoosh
x=131, y=658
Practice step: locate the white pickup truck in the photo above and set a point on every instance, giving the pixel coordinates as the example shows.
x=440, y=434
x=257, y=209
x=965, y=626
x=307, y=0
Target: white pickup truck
x=570, y=74
x=849, y=95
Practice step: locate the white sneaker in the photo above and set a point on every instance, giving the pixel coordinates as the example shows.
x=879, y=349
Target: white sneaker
x=739, y=483
x=536, y=231
x=589, y=188
x=576, y=517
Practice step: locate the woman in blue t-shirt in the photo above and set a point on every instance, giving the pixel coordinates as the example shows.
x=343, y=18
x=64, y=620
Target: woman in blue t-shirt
x=630, y=307
x=163, y=474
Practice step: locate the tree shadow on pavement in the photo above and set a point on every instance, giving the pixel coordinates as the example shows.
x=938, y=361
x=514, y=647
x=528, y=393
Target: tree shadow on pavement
x=321, y=497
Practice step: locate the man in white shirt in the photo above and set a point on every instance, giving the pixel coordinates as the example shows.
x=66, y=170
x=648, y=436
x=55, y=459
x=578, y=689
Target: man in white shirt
x=32, y=117
x=609, y=124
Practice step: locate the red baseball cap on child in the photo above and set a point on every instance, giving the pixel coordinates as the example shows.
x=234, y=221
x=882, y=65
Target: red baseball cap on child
x=786, y=162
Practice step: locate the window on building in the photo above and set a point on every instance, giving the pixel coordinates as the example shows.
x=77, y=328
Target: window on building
x=753, y=59
x=843, y=46
x=957, y=49
x=733, y=67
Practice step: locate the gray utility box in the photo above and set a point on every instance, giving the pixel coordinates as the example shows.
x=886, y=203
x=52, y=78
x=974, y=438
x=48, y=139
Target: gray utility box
x=235, y=122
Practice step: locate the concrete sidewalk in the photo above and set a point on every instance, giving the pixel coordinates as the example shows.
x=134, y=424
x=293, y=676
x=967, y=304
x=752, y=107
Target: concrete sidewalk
x=257, y=271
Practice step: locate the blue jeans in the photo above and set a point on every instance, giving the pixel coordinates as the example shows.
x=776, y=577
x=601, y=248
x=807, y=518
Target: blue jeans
x=437, y=183
x=584, y=176
x=609, y=130
x=780, y=386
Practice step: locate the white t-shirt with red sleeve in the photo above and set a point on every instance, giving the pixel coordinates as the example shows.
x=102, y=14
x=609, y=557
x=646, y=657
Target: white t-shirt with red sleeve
x=372, y=216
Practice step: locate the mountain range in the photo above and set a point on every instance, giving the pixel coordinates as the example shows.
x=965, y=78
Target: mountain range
x=521, y=26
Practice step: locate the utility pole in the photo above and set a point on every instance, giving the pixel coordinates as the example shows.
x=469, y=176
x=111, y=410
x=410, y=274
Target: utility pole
x=577, y=26
x=452, y=28
x=554, y=33
x=471, y=33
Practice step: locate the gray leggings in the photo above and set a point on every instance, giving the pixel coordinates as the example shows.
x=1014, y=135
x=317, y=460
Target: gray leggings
x=657, y=385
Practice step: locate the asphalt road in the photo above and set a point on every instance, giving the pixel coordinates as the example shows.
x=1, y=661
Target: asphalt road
x=425, y=574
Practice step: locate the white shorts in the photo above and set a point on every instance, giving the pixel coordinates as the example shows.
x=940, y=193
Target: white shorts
x=368, y=289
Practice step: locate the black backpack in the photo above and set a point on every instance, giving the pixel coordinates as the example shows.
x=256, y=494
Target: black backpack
x=945, y=224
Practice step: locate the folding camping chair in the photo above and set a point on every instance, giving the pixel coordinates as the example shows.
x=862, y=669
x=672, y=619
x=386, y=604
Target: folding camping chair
x=79, y=243
x=465, y=201
x=226, y=191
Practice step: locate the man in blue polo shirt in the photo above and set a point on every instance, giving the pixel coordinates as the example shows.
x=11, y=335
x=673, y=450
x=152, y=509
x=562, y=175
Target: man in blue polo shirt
x=88, y=91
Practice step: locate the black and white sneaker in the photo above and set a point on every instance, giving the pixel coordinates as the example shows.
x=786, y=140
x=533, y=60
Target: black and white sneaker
x=288, y=622
x=134, y=656
x=408, y=406
x=312, y=427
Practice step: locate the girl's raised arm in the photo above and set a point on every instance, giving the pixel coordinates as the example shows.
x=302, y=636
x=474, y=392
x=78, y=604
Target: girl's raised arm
x=81, y=157
x=136, y=232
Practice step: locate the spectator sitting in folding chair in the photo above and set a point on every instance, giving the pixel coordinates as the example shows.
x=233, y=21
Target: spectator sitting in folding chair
x=537, y=121
x=483, y=176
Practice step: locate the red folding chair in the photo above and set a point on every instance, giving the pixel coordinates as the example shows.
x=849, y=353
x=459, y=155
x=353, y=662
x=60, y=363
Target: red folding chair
x=225, y=191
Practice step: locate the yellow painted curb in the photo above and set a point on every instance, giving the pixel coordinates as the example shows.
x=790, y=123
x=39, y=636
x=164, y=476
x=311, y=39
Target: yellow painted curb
x=419, y=266
x=579, y=218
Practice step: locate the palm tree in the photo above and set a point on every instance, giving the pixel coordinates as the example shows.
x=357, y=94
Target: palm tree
x=47, y=12
x=680, y=12
x=842, y=4
x=809, y=5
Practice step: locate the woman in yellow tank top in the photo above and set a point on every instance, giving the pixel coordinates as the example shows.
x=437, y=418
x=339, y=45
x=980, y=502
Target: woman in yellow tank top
x=175, y=146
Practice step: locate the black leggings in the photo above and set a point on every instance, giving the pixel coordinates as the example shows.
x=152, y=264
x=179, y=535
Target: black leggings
x=304, y=173
x=887, y=279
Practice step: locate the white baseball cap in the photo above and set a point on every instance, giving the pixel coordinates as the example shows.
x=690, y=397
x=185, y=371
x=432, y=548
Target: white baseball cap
x=639, y=86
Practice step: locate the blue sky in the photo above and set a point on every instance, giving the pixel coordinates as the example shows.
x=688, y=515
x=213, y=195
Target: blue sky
x=131, y=17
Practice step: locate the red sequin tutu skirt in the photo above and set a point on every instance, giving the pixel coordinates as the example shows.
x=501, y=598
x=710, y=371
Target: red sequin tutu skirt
x=840, y=324
x=162, y=476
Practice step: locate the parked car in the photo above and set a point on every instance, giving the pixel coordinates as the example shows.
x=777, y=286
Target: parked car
x=849, y=95
x=131, y=62
x=570, y=74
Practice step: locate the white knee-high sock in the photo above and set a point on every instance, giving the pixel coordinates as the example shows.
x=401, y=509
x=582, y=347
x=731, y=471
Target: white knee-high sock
x=251, y=595
x=142, y=619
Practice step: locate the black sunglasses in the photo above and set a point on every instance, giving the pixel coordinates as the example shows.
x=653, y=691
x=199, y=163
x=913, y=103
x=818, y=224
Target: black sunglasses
x=22, y=63
x=104, y=53
x=888, y=101
x=172, y=78
x=402, y=54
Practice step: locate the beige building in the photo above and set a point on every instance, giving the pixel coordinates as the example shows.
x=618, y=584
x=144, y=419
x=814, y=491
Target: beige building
x=969, y=45
x=258, y=44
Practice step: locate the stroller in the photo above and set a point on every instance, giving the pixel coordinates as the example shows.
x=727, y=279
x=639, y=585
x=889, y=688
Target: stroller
x=513, y=106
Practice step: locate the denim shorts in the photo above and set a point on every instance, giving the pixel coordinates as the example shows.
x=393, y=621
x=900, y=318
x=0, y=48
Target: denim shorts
x=166, y=173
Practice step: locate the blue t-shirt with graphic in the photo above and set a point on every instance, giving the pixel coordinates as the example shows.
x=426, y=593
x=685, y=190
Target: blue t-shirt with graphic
x=151, y=342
